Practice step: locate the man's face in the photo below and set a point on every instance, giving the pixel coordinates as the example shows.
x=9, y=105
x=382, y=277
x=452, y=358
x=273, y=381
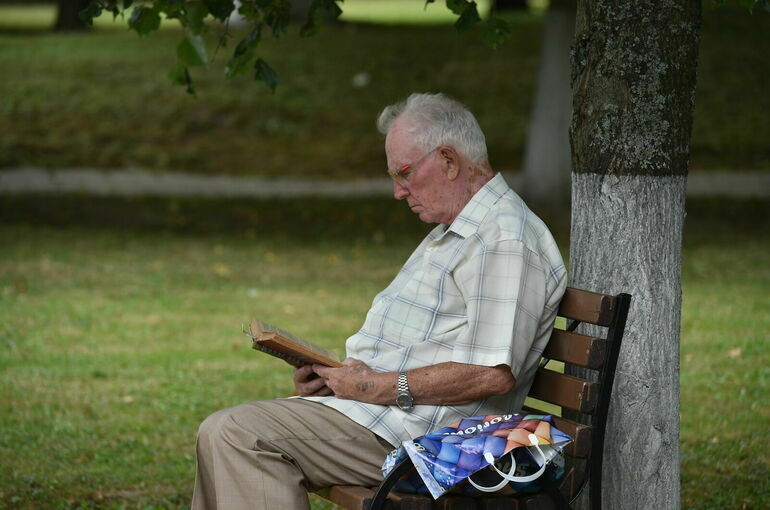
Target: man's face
x=427, y=190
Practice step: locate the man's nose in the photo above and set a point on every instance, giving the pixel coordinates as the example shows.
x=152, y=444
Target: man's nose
x=399, y=191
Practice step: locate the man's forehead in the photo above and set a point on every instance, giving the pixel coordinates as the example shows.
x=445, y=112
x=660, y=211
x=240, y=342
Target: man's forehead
x=399, y=140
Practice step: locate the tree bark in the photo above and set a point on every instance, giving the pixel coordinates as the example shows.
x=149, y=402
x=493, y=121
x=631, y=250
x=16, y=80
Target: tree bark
x=547, y=156
x=511, y=5
x=68, y=15
x=634, y=68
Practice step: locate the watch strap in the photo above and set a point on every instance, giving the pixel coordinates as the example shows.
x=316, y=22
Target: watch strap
x=403, y=383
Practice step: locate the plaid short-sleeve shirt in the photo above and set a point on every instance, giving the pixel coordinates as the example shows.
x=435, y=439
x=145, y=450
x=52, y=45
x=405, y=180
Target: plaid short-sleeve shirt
x=483, y=291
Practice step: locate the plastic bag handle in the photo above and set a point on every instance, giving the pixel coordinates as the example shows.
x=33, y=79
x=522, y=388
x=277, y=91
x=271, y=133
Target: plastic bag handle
x=508, y=477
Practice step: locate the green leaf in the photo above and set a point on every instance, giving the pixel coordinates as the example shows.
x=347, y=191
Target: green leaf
x=220, y=9
x=127, y=4
x=276, y=14
x=250, y=11
x=457, y=6
x=265, y=73
x=177, y=74
x=467, y=11
x=144, y=20
x=180, y=75
x=468, y=18
x=110, y=6
x=92, y=10
x=496, y=30
x=331, y=6
x=315, y=15
x=192, y=50
x=310, y=27
x=243, y=53
x=171, y=9
x=195, y=13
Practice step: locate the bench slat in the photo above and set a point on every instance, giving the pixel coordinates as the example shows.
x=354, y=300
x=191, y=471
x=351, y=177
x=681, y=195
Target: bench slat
x=351, y=497
x=576, y=349
x=405, y=501
x=455, y=503
x=581, y=434
x=565, y=390
x=498, y=503
x=586, y=306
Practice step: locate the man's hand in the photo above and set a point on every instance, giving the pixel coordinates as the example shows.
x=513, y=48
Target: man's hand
x=309, y=384
x=355, y=380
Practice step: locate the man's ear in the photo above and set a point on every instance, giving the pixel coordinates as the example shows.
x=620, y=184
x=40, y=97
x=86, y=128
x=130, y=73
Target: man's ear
x=451, y=161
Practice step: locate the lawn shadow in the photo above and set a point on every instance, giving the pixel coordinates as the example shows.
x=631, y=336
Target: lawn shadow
x=708, y=220
x=309, y=218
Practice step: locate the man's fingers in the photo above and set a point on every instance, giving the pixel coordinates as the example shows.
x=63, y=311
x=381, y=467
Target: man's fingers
x=303, y=373
x=312, y=386
x=323, y=392
x=321, y=370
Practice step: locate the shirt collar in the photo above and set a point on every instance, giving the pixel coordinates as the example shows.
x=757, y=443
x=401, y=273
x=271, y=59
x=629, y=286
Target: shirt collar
x=467, y=222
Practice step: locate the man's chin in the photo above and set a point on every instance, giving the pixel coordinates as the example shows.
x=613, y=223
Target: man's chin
x=425, y=217
x=421, y=213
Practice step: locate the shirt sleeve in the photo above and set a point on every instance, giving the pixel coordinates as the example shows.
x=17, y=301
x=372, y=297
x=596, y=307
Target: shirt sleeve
x=505, y=289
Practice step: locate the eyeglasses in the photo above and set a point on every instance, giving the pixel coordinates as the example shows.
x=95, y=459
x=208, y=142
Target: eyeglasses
x=401, y=176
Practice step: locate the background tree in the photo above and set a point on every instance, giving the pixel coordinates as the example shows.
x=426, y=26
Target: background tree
x=511, y=5
x=547, y=155
x=68, y=15
x=633, y=76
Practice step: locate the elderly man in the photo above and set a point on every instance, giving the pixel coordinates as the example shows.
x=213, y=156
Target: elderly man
x=459, y=331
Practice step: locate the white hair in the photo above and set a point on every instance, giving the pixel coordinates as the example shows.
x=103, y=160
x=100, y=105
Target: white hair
x=435, y=120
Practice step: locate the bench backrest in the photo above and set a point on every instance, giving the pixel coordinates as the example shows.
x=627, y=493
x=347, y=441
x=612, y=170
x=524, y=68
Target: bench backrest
x=584, y=390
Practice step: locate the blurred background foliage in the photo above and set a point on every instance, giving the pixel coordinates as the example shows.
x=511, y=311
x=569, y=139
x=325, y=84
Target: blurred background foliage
x=102, y=99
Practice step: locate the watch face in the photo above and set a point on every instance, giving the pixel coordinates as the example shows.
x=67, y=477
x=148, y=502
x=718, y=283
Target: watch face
x=404, y=401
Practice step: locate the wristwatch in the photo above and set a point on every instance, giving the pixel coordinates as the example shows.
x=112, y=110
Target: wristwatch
x=404, y=399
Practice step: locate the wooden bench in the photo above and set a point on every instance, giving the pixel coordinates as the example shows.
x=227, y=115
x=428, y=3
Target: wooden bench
x=585, y=400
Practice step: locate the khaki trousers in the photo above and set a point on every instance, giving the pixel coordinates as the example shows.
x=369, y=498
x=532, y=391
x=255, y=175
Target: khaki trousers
x=269, y=454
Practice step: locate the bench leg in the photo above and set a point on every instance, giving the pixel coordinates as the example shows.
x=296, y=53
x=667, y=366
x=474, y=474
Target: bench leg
x=381, y=496
x=552, y=490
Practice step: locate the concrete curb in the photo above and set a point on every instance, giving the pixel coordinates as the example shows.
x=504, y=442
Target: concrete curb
x=143, y=183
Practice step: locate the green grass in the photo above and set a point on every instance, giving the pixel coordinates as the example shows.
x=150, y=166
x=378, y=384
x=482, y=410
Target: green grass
x=102, y=99
x=399, y=12
x=725, y=360
x=119, y=333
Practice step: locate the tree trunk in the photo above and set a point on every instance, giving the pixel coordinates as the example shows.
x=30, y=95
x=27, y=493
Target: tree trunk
x=547, y=157
x=68, y=15
x=634, y=68
x=511, y=5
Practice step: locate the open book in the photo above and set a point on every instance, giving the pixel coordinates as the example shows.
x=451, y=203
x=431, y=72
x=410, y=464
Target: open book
x=292, y=349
